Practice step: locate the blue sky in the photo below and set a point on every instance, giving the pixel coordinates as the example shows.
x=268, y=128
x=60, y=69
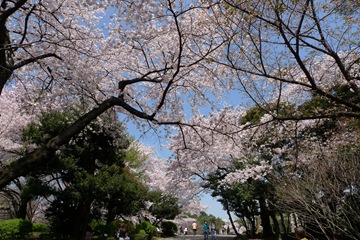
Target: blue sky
x=215, y=209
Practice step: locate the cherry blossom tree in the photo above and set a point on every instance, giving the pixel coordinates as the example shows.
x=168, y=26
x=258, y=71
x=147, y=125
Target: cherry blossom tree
x=295, y=61
x=154, y=59
x=143, y=63
x=156, y=175
x=288, y=51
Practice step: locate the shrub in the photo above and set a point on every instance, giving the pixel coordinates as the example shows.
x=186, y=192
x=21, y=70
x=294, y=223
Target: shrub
x=149, y=229
x=99, y=228
x=169, y=229
x=141, y=235
x=14, y=229
x=40, y=228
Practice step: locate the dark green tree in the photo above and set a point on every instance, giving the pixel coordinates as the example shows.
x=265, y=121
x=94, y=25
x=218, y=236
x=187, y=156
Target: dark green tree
x=246, y=200
x=86, y=172
x=164, y=206
x=205, y=217
x=123, y=195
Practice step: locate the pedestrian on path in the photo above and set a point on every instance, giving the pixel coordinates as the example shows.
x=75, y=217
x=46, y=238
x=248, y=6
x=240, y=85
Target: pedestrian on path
x=213, y=230
x=194, y=227
x=121, y=234
x=206, y=231
x=185, y=231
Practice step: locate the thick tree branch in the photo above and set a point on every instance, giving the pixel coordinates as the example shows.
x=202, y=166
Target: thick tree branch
x=42, y=155
x=32, y=60
x=8, y=12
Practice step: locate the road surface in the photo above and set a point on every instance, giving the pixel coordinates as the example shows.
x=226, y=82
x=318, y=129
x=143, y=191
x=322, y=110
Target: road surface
x=201, y=237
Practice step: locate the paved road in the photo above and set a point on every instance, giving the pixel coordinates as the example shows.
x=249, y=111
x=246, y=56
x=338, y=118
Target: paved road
x=201, y=237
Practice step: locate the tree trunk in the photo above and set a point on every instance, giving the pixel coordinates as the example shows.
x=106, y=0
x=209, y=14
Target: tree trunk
x=265, y=219
x=276, y=224
x=5, y=55
x=42, y=155
x=253, y=226
x=82, y=218
x=110, y=216
x=230, y=218
x=23, y=207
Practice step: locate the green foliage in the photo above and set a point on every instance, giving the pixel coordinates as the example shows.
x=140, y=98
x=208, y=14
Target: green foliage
x=40, y=227
x=164, y=206
x=92, y=166
x=168, y=229
x=314, y=105
x=135, y=159
x=14, y=229
x=318, y=104
x=253, y=116
x=203, y=217
x=40, y=230
x=141, y=235
x=50, y=123
x=242, y=199
x=145, y=230
x=99, y=227
x=59, y=213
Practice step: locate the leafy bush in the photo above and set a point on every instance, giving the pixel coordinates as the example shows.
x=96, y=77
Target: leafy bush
x=147, y=228
x=40, y=230
x=169, y=229
x=14, y=229
x=99, y=228
x=40, y=227
x=141, y=235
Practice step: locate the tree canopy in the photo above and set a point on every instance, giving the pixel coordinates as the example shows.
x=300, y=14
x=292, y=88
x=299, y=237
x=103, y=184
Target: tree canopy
x=168, y=67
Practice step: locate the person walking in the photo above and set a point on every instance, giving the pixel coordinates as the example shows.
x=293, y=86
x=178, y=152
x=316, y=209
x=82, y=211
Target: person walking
x=194, y=227
x=206, y=231
x=127, y=236
x=121, y=234
x=185, y=231
x=213, y=230
x=300, y=233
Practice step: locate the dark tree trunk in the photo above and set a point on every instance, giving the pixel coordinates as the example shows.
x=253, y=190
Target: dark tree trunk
x=253, y=226
x=82, y=218
x=5, y=55
x=265, y=219
x=23, y=208
x=276, y=224
x=43, y=155
x=230, y=218
x=110, y=217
